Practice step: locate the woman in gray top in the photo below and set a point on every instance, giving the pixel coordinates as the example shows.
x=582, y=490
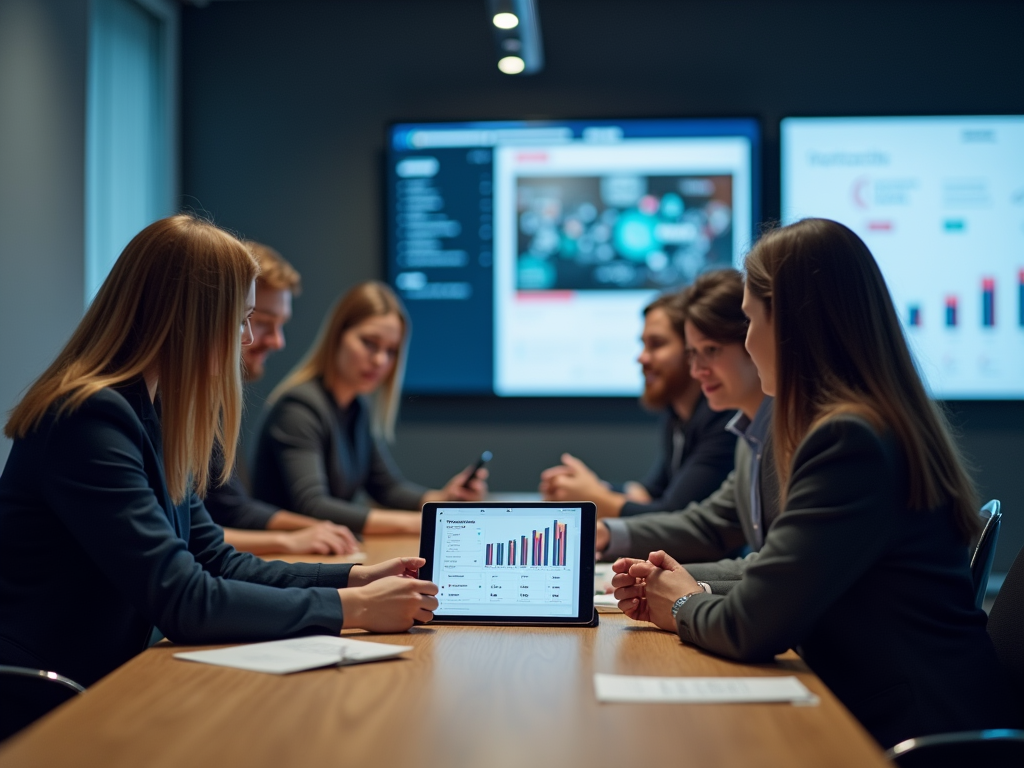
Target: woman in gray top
x=324, y=441
x=866, y=570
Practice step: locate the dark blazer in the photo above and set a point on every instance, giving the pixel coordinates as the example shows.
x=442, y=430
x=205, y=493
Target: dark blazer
x=313, y=457
x=876, y=597
x=230, y=505
x=696, y=456
x=93, y=553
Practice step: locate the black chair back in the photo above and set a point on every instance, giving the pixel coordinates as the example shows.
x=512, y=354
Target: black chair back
x=1002, y=748
x=1006, y=624
x=985, y=550
x=28, y=694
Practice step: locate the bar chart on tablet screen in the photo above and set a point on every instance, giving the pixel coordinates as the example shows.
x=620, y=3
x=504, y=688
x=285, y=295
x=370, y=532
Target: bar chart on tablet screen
x=940, y=203
x=496, y=561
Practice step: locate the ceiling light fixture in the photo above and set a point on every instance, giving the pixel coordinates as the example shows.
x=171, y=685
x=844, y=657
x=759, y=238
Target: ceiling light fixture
x=511, y=65
x=517, y=36
x=505, y=20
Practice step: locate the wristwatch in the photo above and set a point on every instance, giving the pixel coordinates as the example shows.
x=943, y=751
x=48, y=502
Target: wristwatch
x=677, y=606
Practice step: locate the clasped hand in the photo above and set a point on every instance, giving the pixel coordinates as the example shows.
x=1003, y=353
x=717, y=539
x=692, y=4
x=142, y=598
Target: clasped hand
x=647, y=589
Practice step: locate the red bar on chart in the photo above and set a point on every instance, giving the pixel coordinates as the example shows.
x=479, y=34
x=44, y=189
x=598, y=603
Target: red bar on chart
x=489, y=556
x=988, y=302
x=951, y=312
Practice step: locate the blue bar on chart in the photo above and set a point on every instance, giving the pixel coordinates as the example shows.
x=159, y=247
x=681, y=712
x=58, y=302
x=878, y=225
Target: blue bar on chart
x=988, y=302
x=1020, y=298
x=914, y=318
x=951, y=311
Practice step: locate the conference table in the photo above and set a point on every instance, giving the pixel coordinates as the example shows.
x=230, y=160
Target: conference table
x=464, y=696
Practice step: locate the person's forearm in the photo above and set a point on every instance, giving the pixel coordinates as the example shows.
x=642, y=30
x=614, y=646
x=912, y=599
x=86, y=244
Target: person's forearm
x=609, y=503
x=283, y=520
x=635, y=491
x=255, y=542
x=385, y=521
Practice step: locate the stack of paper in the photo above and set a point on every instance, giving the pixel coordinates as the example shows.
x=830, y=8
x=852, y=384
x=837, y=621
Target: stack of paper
x=701, y=690
x=281, y=657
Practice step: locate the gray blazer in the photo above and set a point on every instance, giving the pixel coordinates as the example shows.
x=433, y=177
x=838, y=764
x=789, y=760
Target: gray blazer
x=313, y=458
x=704, y=534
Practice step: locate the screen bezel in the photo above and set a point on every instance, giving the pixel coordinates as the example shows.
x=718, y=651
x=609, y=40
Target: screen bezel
x=588, y=529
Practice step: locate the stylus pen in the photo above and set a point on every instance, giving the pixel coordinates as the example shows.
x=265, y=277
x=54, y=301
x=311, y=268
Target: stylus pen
x=484, y=458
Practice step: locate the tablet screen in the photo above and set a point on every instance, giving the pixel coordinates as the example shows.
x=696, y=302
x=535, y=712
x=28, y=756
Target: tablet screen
x=507, y=561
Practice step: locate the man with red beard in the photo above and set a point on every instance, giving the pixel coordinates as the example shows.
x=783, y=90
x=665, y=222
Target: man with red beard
x=697, y=451
x=251, y=525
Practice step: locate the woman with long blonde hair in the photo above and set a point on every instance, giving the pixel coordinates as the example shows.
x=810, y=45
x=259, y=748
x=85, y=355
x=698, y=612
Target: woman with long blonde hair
x=103, y=534
x=866, y=570
x=323, y=441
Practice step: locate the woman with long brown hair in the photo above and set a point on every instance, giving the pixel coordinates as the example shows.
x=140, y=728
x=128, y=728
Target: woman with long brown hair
x=103, y=533
x=324, y=441
x=866, y=570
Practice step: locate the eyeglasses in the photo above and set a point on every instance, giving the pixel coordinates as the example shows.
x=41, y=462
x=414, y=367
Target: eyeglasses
x=703, y=357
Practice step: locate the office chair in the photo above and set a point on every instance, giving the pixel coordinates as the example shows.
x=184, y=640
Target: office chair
x=982, y=749
x=997, y=748
x=985, y=550
x=28, y=694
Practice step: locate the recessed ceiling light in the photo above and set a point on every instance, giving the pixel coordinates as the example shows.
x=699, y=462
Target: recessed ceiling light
x=511, y=65
x=506, y=20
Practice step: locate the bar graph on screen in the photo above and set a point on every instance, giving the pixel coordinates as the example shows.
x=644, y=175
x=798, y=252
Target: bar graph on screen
x=547, y=549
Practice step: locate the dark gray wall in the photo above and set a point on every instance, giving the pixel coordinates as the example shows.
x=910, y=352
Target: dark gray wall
x=285, y=105
x=42, y=186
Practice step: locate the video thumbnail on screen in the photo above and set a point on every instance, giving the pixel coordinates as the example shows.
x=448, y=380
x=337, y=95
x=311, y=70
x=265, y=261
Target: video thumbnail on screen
x=621, y=231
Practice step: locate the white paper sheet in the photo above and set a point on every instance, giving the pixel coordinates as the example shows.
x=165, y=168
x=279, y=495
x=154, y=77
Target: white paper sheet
x=606, y=601
x=280, y=657
x=602, y=577
x=701, y=690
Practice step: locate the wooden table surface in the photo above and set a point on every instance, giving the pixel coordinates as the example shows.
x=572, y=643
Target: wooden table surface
x=464, y=696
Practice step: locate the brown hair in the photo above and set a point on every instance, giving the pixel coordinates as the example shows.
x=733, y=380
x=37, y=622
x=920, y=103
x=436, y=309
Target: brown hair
x=174, y=301
x=369, y=299
x=713, y=305
x=839, y=348
x=674, y=306
x=275, y=272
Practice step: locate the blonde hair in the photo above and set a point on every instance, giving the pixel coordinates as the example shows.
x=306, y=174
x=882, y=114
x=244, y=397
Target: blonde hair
x=839, y=348
x=275, y=272
x=174, y=301
x=369, y=299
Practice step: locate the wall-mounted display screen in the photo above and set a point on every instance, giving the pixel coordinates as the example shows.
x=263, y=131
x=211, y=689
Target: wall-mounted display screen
x=526, y=251
x=940, y=203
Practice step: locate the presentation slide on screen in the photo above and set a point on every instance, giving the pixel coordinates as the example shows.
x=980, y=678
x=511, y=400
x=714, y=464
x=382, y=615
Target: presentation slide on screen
x=940, y=203
x=536, y=245
x=507, y=562
x=586, y=235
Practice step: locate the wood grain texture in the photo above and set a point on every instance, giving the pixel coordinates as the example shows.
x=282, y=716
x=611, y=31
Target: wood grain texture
x=465, y=696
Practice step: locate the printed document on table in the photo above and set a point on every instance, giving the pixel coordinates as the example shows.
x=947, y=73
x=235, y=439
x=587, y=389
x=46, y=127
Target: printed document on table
x=701, y=690
x=281, y=657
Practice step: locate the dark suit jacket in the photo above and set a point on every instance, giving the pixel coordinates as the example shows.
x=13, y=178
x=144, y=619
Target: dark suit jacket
x=313, y=457
x=93, y=554
x=876, y=597
x=695, y=471
x=230, y=505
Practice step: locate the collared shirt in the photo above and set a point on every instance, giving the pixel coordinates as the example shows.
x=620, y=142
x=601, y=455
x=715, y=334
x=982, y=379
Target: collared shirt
x=754, y=431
